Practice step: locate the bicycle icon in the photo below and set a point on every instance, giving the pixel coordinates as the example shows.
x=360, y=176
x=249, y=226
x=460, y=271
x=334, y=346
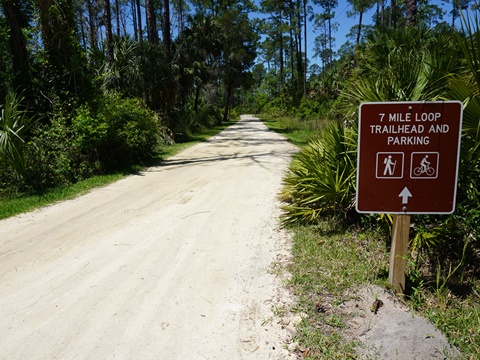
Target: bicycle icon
x=429, y=171
x=424, y=165
x=424, y=168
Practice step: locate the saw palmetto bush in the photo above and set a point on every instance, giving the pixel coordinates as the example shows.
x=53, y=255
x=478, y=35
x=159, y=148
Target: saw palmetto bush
x=465, y=86
x=321, y=178
x=14, y=123
x=407, y=64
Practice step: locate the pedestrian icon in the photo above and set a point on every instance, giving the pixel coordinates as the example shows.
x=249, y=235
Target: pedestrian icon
x=390, y=165
x=424, y=165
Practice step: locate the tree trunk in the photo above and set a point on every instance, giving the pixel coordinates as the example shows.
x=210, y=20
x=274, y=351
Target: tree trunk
x=139, y=20
x=68, y=78
x=134, y=20
x=293, y=48
x=180, y=16
x=167, y=37
x=299, y=47
x=454, y=12
x=228, y=96
x=411, y=13
x=17, y=42
x=359, y=30
x=108, y=30
x=117, y=16
x=305, y=47
x=44, y=6
x=292, y=51
x=393, y=10
x=382, y=14
x=92, y=31
x=282, y=80
x=151, y=22
x=82, y=28
x=167, y=48
x=197, y=98
x=330, y=47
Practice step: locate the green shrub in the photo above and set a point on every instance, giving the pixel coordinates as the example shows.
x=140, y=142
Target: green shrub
x=54, y=158
x=208, y=116
x=112, y=135
x=120, y=132
x=8, y=181
x=133, y=130
x=321, y=179
x=309, y=109
x=91, y=130
x=234, y=115
x=274, y=107
x=183, y=123
x=186, y=122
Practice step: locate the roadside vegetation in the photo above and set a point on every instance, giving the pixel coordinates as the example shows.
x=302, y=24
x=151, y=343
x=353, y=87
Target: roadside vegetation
x=335, y=250
x=84, y=102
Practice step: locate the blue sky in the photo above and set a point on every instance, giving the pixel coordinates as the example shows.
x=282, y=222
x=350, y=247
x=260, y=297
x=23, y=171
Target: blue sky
x=345, y=23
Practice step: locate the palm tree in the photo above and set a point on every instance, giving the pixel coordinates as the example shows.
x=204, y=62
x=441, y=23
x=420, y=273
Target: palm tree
x=138, y=70
x=199, y=44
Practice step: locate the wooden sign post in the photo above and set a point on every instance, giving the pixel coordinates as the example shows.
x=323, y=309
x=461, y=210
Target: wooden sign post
x=398, y=252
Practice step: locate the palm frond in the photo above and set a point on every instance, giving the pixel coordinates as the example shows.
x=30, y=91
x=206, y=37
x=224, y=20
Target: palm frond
x=13, y=125
x=321, y=178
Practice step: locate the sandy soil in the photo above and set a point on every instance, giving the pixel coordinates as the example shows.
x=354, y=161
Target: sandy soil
x=388, y=330
x=172, y=263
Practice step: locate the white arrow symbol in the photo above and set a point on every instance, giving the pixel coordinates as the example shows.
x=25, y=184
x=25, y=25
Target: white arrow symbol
x=405, y=194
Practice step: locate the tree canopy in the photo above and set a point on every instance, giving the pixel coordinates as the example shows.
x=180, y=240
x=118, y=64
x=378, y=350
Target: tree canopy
x=187, y=63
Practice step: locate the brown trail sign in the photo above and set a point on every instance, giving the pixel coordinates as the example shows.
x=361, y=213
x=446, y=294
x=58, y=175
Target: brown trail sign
x=408, y=155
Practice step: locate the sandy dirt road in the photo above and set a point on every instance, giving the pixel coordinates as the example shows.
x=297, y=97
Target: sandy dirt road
x=172, y=263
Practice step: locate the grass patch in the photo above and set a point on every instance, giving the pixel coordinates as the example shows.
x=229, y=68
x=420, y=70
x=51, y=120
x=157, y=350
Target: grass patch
x=328, y=262
x=298, y=132
x=24, y=203
x=20, y=203
x=460, y=323
x=456, y=313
